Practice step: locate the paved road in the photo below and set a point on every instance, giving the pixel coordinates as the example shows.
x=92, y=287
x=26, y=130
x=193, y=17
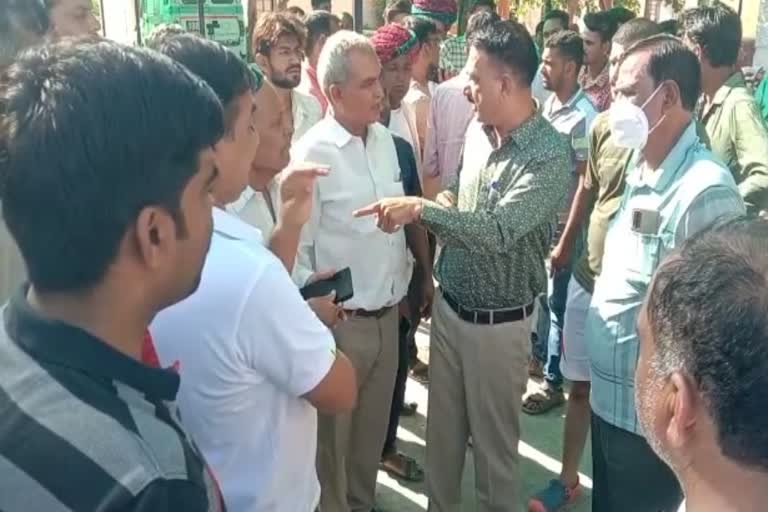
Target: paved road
x=539, y=450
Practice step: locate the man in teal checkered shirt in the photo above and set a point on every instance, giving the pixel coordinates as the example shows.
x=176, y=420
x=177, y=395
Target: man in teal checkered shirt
x=453, y=53
x=675, y=188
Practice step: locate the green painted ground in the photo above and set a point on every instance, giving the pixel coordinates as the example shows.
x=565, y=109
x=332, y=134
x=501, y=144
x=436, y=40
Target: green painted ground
x=539, y=450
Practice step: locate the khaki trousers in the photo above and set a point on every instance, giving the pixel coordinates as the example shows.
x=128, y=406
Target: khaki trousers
x=477, y=377
x=350, y=444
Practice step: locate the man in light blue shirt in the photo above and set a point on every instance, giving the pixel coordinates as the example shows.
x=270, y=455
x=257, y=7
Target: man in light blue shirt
x=674, y=188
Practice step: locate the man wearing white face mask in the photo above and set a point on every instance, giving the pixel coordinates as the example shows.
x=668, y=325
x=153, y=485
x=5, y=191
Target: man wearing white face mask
x=674, y=188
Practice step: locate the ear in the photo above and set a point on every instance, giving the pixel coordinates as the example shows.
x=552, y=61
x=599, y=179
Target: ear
x=681, y=410
x=571, y=66
x=508, y=83
x=671, y=95
x=154, y=230
x=334, y=94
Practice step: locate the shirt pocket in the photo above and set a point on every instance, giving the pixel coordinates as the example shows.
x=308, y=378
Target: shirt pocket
x=642, y=257
x=337, y=212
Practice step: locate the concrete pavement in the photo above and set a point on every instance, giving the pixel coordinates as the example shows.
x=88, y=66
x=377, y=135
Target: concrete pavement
x=539, y=451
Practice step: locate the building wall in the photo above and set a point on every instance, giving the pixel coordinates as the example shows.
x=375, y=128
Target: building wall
x=339, y=6
x=761, y=36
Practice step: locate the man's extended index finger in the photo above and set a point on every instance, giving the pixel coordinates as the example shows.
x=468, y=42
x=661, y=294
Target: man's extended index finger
x=371, y=209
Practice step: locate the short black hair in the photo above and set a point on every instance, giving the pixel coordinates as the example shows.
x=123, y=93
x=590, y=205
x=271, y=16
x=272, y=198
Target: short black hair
x=319, y=23
x=480, y=20
x=635, y=30
x=422, y=26
x=671, y=60
x=717, y=29
x=557, y=14
x=707, y=313
x=92, y=132
x=539, y=30
x=226, y=73
x=671, y=27
x=510, y=44
x=570, y=45
x=601, y=23
x=491, y=4
x=23, y=23
x=316, y=4
x=395, y=7
x=621, y=15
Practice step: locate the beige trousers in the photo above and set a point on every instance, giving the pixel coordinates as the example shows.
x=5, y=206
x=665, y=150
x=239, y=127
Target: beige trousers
x=350, y=444
x=477, y=377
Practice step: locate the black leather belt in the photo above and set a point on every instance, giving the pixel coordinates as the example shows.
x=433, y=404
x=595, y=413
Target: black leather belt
x=488, y=316
x=377, y=313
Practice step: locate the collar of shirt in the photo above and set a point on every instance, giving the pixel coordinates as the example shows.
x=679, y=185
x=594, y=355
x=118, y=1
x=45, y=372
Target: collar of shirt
x=522, y=135
x=661, y=178
x=229, y=226
x=297, y=110
x=600, y=81
x=553, y=106
x=312, y=74
x=238, y=204
x=62, y=344
x=734, y=81
x=339, y=135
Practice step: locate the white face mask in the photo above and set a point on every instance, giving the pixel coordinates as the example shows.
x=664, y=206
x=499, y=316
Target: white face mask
x=629, y=124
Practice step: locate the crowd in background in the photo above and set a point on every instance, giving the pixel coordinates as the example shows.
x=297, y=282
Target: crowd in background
x=582, y=204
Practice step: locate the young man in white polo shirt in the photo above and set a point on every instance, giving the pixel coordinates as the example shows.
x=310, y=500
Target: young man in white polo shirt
x=255, y=361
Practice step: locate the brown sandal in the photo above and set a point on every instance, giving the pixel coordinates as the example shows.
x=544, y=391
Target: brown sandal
x=543, y=401
x=406, y=468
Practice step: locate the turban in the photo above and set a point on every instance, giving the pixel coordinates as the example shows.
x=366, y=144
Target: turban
x=443, y=11
x=393, y=40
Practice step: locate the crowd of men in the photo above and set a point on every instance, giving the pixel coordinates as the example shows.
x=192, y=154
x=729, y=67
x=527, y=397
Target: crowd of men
x=584, y=206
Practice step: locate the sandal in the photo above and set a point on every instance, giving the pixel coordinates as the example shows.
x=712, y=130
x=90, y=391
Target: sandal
x=420, y=372
x=403, y=467
x=409, y=409
x=544, y=400
x=535, y=369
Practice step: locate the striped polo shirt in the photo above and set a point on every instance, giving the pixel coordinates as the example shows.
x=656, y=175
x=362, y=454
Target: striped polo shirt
x=84, y=427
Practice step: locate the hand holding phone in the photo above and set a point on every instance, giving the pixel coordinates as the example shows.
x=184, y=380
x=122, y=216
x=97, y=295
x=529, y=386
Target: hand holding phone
x=340, y=282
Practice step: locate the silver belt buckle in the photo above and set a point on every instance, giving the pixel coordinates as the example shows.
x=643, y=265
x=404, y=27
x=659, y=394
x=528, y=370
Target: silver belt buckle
x=474, y=312
x=490, y=317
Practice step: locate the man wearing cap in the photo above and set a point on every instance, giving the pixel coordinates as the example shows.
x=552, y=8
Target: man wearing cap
x=442, y=13
x=396, y=47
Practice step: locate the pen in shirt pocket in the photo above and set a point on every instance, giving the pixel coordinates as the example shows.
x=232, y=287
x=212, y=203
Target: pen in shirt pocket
x=493, y=192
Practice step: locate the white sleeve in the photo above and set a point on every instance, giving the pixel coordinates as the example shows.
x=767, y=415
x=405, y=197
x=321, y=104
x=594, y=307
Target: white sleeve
x=304, y=266
x=281, y=337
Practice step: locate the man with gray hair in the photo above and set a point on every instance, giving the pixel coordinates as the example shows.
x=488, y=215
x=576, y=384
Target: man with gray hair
x=363, y=168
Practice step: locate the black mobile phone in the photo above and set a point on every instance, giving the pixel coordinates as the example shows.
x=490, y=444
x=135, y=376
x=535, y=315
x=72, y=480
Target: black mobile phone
x=340, y=282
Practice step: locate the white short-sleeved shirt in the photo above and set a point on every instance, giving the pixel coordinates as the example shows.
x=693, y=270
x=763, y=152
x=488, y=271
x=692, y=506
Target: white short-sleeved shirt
x=248, y=348
x=361, y=173
x=253, y=207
